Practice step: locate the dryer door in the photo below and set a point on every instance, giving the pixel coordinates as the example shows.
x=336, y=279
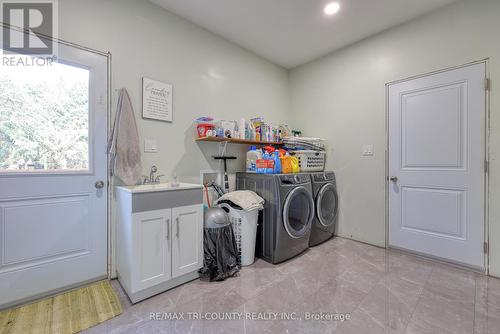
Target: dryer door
x=327, y=205
x=298, y=212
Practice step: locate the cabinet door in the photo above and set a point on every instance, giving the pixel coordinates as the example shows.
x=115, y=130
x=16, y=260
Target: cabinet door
x=152, y=248
x=187, y=239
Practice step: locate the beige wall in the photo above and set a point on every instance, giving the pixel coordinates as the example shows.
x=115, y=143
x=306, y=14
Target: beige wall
x=342, y=97
x=211, y=77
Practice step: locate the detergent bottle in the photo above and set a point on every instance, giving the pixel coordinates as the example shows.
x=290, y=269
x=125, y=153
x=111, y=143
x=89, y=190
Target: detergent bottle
x=286, y=163
x=269, y=168
x=252, y=156
x=277, y=162
x=264, y=165
x=295, y=164
x=271, y=162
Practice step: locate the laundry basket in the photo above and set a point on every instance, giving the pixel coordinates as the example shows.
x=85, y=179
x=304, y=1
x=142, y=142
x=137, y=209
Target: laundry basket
x=245, y=231
x=310, y=161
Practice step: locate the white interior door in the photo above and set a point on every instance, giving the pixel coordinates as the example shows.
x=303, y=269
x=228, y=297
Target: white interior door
x=53, y=210
x=437, y=165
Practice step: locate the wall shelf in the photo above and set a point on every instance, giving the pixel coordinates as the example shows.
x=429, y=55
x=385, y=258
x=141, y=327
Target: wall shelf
x=236, y=141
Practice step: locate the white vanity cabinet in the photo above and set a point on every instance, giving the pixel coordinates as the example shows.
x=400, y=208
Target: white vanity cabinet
x=151, y=243
x=159, y=239
x=186, y=255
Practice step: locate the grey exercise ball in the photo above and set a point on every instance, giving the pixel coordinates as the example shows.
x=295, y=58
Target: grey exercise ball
x=216, y=217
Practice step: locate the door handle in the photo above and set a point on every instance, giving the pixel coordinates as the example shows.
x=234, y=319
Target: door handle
x=394, y=179
x=168, y=228
x=177, y=233
x=99, y=184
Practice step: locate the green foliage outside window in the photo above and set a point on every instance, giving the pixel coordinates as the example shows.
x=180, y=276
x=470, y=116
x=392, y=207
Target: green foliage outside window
x=44, y=118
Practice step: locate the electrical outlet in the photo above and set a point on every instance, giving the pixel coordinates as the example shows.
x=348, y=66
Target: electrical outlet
x=208, y=176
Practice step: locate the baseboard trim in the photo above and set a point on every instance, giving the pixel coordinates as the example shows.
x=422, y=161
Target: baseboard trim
x=138, y=296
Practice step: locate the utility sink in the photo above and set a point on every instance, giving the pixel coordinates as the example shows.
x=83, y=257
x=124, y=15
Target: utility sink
x=159, y=237
x=146, y=188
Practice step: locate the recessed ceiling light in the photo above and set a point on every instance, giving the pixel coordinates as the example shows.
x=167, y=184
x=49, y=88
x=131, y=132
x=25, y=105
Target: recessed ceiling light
x=332, y=8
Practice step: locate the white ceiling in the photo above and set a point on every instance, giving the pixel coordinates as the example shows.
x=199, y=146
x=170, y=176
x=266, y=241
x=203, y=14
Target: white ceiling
x=293, y=32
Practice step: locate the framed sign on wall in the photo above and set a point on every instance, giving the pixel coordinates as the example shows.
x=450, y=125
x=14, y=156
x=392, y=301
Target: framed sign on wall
x=156, y=100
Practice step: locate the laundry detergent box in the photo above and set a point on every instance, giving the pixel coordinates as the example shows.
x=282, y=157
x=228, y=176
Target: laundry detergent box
x=264, y=166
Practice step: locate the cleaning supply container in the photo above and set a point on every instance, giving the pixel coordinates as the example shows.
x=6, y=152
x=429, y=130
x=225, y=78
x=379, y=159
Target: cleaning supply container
x=277, y=162
x=252, y=156
x=203, y=129
x=295, y=164
x=286, y=164
x=245, y=231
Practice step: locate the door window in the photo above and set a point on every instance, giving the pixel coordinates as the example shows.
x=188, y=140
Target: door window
x=297, y=212
x=327, y=205
x=44, y=118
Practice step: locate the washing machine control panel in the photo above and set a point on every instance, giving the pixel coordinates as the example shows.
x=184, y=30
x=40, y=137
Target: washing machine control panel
x=294, y=179
x=321, y=177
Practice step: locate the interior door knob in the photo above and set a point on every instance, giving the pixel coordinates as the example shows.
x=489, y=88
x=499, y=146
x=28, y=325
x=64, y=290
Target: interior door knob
x=99, y=184
x=394, y=179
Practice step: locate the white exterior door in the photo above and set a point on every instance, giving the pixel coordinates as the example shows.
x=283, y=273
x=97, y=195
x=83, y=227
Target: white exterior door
x=152, y=244
x=437, y=165
x=187, y=241
x=53, y=175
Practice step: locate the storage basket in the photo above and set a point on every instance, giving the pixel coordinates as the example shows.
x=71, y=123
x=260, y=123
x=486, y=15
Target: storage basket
x=310, y=161
x=245, y=231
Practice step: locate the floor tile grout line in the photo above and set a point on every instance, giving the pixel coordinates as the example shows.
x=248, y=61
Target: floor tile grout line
x=364, y=298
x=368, y=294
x=420, y=296
x=353, y=254
x=475, y=301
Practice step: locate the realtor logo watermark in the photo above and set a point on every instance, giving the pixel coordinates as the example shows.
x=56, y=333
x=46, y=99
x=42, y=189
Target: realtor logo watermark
x=24, y=40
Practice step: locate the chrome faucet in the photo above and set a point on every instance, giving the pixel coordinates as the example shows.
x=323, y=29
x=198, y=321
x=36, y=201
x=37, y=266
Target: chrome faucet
x=153, y=178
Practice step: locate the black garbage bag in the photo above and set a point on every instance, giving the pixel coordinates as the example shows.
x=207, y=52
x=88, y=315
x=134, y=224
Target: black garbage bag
x=221, y=258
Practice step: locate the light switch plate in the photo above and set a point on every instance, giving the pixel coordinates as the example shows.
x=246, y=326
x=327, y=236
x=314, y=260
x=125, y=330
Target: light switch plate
x=150, y=146
x=367, y=150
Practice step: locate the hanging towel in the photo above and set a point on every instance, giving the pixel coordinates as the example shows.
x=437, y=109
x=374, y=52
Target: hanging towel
x=246, y=199
x=124, y=146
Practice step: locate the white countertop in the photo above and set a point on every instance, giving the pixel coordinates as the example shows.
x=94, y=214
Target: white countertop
x=146, y=188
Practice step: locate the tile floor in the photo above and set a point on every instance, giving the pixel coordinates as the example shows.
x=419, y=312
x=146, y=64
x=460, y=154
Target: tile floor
x=383, y=291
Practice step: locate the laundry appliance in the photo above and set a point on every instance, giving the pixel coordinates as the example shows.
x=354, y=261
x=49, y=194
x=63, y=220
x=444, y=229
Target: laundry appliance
x=285, y=223
x=326, y=207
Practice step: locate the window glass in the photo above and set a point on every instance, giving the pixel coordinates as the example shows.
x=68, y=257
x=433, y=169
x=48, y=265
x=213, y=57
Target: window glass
x=328, y=206
x=44, y=118
x=298, y=213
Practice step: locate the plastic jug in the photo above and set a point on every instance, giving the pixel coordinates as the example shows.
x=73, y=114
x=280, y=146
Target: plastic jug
x=265, y=165
x=277, y=162
x=286, y=164
x=252, y=156
x=295, y=164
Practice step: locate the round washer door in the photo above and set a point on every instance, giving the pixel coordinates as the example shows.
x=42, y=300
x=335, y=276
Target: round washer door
x=298, y=212
x=327, y=205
